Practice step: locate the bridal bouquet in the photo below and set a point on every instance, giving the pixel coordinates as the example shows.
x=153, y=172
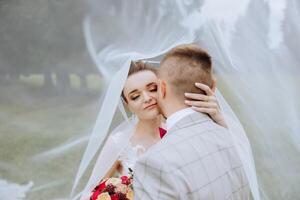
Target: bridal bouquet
x=114, y=189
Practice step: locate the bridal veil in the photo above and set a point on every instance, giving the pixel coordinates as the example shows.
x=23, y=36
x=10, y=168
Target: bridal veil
x=245, y=41
x=254, y=46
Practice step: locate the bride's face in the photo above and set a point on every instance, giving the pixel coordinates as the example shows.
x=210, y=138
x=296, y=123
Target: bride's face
x=140, y=92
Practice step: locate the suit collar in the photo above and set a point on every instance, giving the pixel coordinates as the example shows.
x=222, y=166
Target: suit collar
x=175, y=117
x=189, y=120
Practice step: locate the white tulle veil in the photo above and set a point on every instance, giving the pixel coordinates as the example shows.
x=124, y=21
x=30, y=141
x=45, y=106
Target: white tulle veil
x=132, y=43
x=245, y=53
x=255, y=50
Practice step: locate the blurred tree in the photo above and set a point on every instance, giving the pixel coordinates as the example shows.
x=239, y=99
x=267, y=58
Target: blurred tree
x=43, y=37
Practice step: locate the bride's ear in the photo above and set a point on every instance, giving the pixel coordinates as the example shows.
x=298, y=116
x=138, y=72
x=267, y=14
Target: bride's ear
x=214, y=84
x=162, y=88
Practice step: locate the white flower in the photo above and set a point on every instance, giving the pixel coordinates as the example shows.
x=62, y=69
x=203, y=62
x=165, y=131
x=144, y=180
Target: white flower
x=130, y=194
x=113, y=181
x=104, y=196
x=121, y=188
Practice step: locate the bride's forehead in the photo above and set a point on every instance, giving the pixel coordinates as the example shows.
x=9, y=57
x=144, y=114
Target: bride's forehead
x=140, y=80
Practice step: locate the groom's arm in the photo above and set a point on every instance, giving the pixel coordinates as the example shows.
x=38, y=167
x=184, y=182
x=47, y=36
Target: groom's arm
x=152, y=181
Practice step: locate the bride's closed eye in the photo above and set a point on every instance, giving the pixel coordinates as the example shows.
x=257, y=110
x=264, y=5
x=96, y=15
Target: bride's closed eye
x=134, y=97
x=153, y=88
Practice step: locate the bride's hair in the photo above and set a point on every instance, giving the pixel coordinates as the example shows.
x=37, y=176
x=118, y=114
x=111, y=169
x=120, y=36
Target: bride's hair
x=138, y=66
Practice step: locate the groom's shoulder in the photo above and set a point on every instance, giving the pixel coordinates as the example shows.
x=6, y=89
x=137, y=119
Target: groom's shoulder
x=165, y=155
x=152, y=159
x=196, y=123
x=160, y=152
x=182, y=143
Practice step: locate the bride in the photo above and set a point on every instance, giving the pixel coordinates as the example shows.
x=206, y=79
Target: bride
x=139, y=95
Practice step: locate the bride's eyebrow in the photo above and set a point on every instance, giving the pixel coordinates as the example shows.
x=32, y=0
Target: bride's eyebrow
x=133, y=91
x=150, y=84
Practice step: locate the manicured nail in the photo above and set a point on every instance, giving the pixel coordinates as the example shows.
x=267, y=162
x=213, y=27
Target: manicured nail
x=187, y=102
x=197, y=84
x=186, y=94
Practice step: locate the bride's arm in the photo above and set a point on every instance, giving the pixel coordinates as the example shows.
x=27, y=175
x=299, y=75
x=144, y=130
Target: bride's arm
x=107, y=162
x=206, y=104
x=117, y=167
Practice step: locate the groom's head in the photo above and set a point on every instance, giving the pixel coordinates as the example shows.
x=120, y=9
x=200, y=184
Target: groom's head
x=180, y=69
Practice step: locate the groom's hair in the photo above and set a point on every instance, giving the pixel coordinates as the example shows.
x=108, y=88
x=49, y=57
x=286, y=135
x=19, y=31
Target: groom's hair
x=185, y=65
x=138, y=66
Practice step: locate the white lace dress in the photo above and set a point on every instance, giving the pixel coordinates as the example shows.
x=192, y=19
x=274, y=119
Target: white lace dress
x=129, y=156
x=129, y=153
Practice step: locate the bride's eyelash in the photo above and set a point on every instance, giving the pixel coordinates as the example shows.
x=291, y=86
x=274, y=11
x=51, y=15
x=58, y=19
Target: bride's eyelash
x=135, y=97
x=153, y=89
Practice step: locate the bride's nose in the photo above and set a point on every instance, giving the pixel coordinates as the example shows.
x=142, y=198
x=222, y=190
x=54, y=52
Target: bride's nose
x=146, y=97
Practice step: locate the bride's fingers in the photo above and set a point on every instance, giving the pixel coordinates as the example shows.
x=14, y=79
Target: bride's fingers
x=205, y=88
x=210, y=111
x=200, y=97
x=196, y=96
x=201, y=104
x=212, y=98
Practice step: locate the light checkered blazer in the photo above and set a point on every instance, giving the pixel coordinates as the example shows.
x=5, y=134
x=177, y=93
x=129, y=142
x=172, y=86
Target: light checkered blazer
x=196, y=160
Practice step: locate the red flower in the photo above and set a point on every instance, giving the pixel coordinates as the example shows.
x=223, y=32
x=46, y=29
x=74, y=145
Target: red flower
x=102, y=186
x=113, y=197
x=95, y=195
x=125, y=180
x=97, y=191
x=110, y=188
x=121, y=196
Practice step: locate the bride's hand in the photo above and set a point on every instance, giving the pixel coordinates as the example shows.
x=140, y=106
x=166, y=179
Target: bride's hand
x=206, y=103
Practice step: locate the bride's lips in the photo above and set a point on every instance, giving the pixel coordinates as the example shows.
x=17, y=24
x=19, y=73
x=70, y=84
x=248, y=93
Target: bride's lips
x=151, y=106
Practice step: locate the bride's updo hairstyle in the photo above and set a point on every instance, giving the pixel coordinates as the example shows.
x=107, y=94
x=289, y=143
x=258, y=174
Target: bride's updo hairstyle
x=138, y=66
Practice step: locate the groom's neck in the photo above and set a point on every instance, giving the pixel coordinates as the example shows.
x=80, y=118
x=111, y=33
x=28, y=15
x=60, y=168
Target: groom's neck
x=173, y=106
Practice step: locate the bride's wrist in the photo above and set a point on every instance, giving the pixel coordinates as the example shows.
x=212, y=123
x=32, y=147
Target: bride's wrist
x=221, y=121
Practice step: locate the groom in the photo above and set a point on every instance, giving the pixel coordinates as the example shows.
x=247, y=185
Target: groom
x=196, y=159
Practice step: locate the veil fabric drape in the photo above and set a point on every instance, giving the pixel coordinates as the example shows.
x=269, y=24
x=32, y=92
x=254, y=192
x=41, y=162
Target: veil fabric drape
x=254, y=45
x=245, y=73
